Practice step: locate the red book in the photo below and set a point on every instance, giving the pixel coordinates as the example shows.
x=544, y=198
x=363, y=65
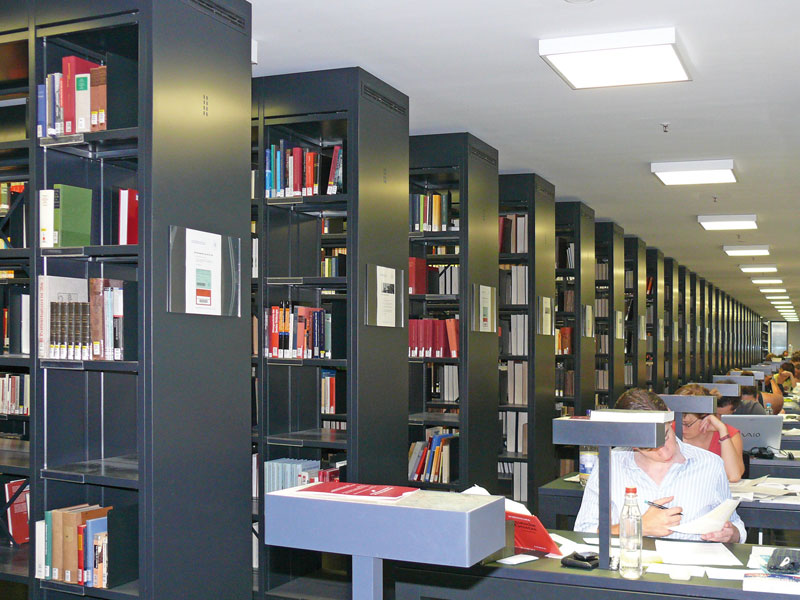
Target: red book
x=128, y=217
x=81, y=546
x=311, y=158
x=17, y=513
x=332, y=395
x=71, y=66
x=332, y=189
x=427, y=337
x=411, y=338
x=530, y=534
x=451, y=326
x=335, y=489
x=417, y=276
x=440, y=338
x=297, y=171
x=274, y=330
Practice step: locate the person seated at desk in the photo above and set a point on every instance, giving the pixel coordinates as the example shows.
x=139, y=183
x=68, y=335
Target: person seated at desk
x=784, y=380
x=736, y=405
x=710, y=433
x=689, y=479
x=751, y=394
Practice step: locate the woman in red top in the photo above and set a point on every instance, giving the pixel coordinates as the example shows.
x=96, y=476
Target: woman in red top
x=710, y=433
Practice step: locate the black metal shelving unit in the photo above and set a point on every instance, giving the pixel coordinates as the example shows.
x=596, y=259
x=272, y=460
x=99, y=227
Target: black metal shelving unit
x=368, y=120
x=533, y=197
x=609, y=312
x=685, y=355
x=656, y=335
x=671, y=339
x=136, y=432
x=635, y=312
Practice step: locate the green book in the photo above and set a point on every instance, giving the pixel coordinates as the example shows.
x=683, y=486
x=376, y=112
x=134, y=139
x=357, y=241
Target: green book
x=72, y=216
x=48, y=544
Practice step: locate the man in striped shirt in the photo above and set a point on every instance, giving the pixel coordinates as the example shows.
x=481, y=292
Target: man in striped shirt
x=690, y=481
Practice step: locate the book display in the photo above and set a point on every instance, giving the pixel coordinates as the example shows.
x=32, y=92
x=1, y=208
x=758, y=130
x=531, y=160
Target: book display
x=636, y=339
x=329, y=154
x=527, y=380
x=671, y=339
x=453, y=388
x=609, y=313
x=100, y=410
x=656, y=336
x=575, y=293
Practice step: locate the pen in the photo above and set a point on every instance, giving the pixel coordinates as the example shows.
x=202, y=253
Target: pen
x=662, y=507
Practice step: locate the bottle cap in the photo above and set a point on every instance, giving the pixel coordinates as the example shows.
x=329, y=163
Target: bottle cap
x=630, y=490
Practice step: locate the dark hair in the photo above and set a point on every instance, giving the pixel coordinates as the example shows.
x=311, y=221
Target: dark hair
x=796, y=355
x=640, y=399
x=787, y=366
x=693, y=389
x=748, y=373
x=749, y=390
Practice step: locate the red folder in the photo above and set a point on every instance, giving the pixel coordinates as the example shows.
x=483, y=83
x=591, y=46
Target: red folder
x=530, y=534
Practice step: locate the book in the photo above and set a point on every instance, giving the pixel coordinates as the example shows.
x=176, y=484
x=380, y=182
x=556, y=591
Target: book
x=83, y=113
x=55, y=289
x=121, y=551
x=71, y=66
x=57, y=536
x=41, y=546
x=17, y=513
x=128, y=224
x=70, y=522
x=380, y=493
x=47, y=204
x=611, y=415
x=41, y=110
x=93, y=528
x=72, y=216
x=98, y=98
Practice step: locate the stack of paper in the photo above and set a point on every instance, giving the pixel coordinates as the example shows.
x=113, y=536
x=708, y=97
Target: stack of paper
x=711, y=521
x=696, y=553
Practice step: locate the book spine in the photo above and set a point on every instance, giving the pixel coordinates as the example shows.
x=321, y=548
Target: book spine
x=108, y=323
x=119, y=316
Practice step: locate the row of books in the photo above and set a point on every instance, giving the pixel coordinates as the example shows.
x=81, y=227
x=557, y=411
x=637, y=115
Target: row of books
x=601, y=270
x=305, y=332
x=16, y=318
x=283, y=473
x=333, y=393
x=432, y=279
x=432, y=212
x=601, y=306
x=601, y=380
x=333, y=263
x=293, y=171
x=333, y=225
x=73, y=101
x=565, y=301
x=513, y=284
x=339, y=425
x=565, y=253
x=434, y=460
x=15, y=394
x=602, y=343
x=515, y=431
x=433, y=338
x=65, y=217
x=514, y=336
x=444, y=382
x=92, y=319
x=565, y=381
x=563, y=340
x=514, y=386
x=628, y=374
x=513, y=233
x=88, y=545
x=628, y=279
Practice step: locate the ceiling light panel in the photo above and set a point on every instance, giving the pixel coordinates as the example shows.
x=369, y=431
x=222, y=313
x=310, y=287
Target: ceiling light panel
x=767, y=281
x=727, y=222
x=777, y=297
x=615, y=59
x=694, y=172
x=746, y=250
x=772, y=290
x=758, y=268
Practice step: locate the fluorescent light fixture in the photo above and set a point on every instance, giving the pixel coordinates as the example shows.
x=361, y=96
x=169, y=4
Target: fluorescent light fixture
x=781, y=302
x=612, y=59
x=766, y=281
x=694, y=172
x=772, y=290
x=746, y=250
x=727, y=222
x=758, y=268
x=777, y=297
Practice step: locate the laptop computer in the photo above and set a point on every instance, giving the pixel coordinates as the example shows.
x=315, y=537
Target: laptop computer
x=757, y=431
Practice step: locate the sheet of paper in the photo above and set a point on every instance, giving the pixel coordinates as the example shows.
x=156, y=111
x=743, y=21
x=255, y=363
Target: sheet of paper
x=711, y=521
x=203, y=272
x=743, y=496
x=728, y=574
x=677, y=571
x=781, y=500
x=577, y=478
x=517, y=559
x=485, y=307
x=746, y=484
x=783, y=480
x=596, y=541
x=790, y=432
x=385, y=295
x=696, y=553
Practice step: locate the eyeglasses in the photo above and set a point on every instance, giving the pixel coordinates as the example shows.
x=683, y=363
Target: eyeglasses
x=689, y=423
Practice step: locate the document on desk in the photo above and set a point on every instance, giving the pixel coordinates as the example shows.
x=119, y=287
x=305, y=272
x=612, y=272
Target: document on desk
x=677, y=571
x=711, y=521
x=728, y=574
x=782, y=500
x=517, y=559
x=744, y=485
x=696, y=553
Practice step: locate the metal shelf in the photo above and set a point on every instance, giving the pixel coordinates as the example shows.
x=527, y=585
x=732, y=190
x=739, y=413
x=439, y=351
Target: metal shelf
x=117, y=471
x=334, y=439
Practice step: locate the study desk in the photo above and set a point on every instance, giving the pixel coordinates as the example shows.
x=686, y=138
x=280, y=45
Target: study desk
x=776, y=467
x=791, y=443
x=560, y=497
x=546, y=579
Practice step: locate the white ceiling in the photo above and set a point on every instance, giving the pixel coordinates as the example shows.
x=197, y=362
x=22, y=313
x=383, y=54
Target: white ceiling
x=473, y=66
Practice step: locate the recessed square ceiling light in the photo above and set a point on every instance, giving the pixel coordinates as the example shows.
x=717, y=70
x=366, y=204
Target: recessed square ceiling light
x=758, y=268
x=694, y=172
x=777, y=297
x=766, y=281
x=727, y=222
x=612, y=59
x=746, y=250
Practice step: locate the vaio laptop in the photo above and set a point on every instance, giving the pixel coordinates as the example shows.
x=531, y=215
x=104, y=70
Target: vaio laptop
x=757, y=431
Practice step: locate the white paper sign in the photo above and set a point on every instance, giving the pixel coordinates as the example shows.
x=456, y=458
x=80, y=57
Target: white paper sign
x=547, y=316
x=485, y=308
x=386, y=295
x=203, y=272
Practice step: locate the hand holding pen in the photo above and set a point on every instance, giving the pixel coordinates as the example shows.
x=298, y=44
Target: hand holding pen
x=658, y=519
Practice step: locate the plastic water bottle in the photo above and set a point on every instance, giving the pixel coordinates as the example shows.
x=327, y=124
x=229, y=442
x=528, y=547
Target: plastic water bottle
x=768, y=408
x=589, y=457
x=630, y=537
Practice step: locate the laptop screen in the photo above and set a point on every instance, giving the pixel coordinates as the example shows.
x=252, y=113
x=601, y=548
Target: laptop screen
x=757, y=431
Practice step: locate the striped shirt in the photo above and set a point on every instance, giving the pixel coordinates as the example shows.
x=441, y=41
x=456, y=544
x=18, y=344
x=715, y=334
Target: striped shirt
x=699, y=484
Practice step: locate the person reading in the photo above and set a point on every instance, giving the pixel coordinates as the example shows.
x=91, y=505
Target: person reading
x=688, y=481
x=708, y=432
